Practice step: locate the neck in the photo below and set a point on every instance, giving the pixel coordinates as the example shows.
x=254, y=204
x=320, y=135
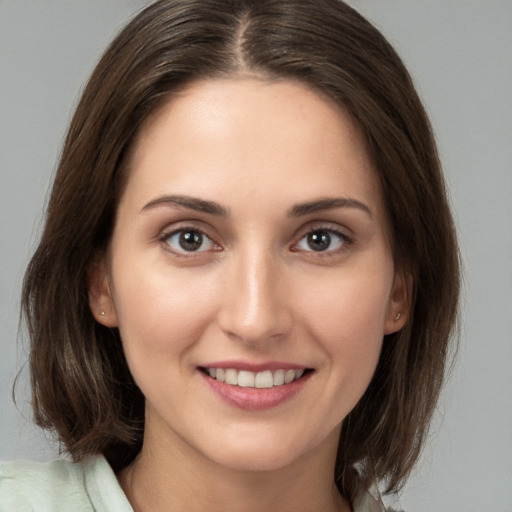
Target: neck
x=172, y=476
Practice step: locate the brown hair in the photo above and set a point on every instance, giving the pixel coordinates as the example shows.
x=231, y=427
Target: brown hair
x=82, y=387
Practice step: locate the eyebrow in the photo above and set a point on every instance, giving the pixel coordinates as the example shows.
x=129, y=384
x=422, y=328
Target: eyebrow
x=329, y=203
x=299, y=210
x=191, y=203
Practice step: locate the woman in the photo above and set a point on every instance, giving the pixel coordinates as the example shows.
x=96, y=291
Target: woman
x=248, y=278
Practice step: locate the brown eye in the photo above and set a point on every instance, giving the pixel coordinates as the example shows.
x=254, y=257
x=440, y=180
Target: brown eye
x=189, y=240
x=322, y=240
x=319, y=240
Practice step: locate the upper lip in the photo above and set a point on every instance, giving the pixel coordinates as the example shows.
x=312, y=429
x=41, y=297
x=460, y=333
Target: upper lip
x=254, y=367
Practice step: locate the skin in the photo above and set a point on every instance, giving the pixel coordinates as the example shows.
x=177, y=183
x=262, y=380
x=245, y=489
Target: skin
x=255, y=291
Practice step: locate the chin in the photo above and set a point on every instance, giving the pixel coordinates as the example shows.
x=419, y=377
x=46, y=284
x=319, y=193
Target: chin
x=259, y=454
x=256, y=460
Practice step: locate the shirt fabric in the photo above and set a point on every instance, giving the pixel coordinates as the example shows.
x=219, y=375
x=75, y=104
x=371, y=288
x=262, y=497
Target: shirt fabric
x=88, y=486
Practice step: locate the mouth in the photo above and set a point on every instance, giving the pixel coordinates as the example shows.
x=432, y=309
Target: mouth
x=265, y=379
x=255, y=387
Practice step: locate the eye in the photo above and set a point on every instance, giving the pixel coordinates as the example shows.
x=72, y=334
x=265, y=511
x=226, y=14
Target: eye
x=188, y=240
x=321, y=240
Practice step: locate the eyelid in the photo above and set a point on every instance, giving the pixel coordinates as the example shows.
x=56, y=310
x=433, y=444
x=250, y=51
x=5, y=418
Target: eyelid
x=323, y=225
x=335, y=229
x=184, y=226
x=345, y=234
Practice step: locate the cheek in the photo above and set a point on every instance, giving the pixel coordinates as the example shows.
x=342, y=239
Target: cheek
x=160, y=309
x=346, y=315
x=352, y=305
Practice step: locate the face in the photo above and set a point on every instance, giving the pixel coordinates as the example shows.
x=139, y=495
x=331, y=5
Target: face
x=250, y=272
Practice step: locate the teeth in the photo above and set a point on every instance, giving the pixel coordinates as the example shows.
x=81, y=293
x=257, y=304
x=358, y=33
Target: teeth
x=279, y=378
x=231, y=377
x=289, y=376
x=264, y=380
x=247, y=379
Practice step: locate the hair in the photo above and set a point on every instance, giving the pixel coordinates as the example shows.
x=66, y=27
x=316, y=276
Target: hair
x=82, y=387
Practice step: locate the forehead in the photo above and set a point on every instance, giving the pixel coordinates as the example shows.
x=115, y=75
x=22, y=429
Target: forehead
x=256, y=135
x=236, y=106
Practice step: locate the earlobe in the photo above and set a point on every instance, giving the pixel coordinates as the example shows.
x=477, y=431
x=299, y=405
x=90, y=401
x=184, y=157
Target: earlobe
x=100, y=294
x=399, y=308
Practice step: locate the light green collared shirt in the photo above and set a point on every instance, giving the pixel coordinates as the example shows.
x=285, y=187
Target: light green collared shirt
x=89, y=486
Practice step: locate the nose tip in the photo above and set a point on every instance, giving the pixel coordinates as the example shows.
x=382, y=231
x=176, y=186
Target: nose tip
x=255, y=308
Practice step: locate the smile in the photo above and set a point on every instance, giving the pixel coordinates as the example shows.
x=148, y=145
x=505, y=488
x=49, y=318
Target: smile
x=255, y=387
x=260, y=380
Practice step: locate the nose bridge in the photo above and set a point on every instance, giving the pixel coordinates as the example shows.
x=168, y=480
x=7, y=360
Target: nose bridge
x=254, y=307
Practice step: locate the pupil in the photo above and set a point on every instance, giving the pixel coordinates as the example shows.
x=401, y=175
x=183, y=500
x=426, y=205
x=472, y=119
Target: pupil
x=319, y=240
x=191, y=240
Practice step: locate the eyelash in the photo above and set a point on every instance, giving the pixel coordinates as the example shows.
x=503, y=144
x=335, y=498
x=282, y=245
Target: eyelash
x=165, y=238
x=344, y=241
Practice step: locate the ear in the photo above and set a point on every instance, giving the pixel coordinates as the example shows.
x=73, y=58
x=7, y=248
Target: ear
x=100, y=294
x=400, y=303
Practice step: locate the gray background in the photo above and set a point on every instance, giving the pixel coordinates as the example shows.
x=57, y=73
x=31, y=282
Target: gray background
x=460, y=55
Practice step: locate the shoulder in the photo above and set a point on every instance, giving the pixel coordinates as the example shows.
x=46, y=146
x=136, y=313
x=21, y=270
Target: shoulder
x=60, y=486
x=27, y=485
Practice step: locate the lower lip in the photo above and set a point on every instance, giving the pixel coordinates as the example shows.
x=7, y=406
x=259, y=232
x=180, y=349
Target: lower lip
x=255, y=399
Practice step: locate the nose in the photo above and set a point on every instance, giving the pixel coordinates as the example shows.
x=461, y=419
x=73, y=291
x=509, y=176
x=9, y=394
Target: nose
x=255, y=307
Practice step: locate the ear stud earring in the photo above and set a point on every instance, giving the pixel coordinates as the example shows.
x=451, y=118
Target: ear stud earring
x=102, y=313
x=397, y=317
